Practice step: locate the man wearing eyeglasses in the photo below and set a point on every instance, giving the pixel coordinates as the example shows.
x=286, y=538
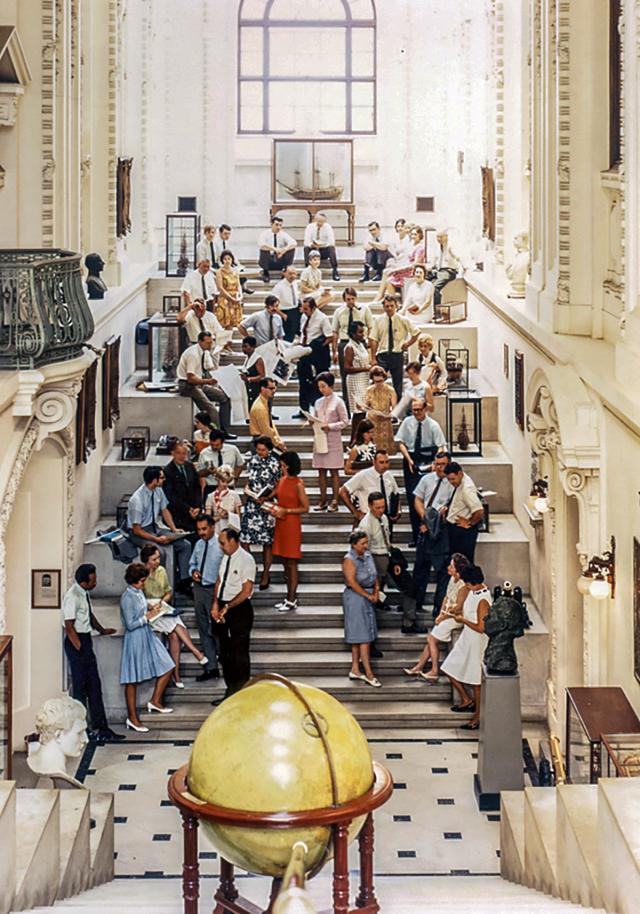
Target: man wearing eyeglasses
x=260, y=420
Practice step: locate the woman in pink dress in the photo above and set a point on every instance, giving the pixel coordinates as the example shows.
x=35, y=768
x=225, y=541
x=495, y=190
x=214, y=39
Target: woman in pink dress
x=393, y=279
x=332, y=412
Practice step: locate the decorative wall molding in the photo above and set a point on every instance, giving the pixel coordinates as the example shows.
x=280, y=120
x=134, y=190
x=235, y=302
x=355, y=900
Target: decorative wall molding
x=500, y=128
x=48, y=117
x=55, y=409
x=560, y=52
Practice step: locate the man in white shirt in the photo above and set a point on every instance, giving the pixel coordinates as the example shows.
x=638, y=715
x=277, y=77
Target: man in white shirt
x=233, y=612
x=431, y=495
x=200, y=283
x=315, y=331
x=464, y=512
x=287, y=291
x=195, y=381
x=376, y=525
x=343, y=319
x=205, y=249
x=444, y=267
x=418, y=437
x=378, y=478
x=277, y=249
x=219, y=453
x=376, y=253
x=196, y=318
x=319, y=236
x=390, y=337
x=222, y=243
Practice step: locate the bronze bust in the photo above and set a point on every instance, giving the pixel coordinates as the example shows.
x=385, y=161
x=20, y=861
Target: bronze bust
x=507, y=620
x=96, y=286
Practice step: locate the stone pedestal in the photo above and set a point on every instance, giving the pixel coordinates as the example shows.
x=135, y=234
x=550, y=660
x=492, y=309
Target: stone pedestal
x=500, y=764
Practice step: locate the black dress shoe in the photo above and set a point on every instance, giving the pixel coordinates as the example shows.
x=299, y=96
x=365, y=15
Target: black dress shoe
x=410, y=630
x=377, y=277
x=229, y=436
x=464, y=709
x=376, y=652
x=218, y=701
x=297, y=415
x=336, y=276
x=411, y=544
x=364, y=278
x=208, y=674
x=275, y=417
x=265, y=276
x=248, y=291
x=109, y=736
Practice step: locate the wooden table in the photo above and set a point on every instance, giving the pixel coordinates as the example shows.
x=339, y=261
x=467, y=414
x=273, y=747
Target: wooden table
x=599, y=709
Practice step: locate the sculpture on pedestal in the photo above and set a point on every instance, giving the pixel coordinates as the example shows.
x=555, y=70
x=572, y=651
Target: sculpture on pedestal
x=96, y=286
x=61, y=728
x=518, y=271
x=507, y=620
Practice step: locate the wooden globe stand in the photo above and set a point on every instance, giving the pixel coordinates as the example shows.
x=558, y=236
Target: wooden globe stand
x=228, y=901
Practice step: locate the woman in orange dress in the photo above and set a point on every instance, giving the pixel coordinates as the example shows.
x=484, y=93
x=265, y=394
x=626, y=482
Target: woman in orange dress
x=293, y=502
x=229, y=307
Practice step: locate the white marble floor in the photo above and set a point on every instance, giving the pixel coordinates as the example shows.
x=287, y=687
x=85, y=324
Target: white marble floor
x=430, y=826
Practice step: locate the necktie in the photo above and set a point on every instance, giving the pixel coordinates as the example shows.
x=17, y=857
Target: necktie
x=390, y=336
x=450, y=502
x=304, y=332
x=202, y=326
x=384, y=534
x=219, y=456
x=417, y=446
x=205, y=371
x=154, y=526
x=317, y=233
x=224, y=579
x=351, y=321
x=224, y=245
x=203, y=560
x=88, y=605
x=183, y=471
x=204, y=289
x=275, y=241
x=434, y=493
x=271, y=316
x=384, y=493
x=213, y=254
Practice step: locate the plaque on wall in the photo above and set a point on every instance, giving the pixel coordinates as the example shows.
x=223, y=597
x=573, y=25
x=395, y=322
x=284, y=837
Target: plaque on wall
x=518, y=383
x=45, y=588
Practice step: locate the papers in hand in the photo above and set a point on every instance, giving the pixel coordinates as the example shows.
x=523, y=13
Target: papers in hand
x=233, y=520
x=320, y=441
x=256, y=496
x=159, y=608
x=172, y=534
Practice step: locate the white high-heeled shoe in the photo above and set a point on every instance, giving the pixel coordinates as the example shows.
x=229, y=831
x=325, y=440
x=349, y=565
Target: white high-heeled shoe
x=131, y=726
x=204, y=661
x=151, y=708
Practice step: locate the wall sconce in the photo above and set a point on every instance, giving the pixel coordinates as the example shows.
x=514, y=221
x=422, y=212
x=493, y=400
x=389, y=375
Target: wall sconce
x=598, y=577
x=540, y=494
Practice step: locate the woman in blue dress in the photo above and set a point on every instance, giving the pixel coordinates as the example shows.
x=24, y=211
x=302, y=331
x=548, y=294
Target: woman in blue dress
x=358, y=601
x=143, y=655
x=257, y=526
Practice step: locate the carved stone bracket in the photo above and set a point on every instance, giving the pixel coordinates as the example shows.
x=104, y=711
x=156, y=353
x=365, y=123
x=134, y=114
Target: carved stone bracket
x=54, y=409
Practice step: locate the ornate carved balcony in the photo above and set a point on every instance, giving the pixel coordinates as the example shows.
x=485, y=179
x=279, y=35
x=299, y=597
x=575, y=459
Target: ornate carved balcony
x=44, y=314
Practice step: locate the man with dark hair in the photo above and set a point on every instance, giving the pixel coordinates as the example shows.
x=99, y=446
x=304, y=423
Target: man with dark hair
x=376, y=253
x=219, y=453
x=378, y=478
x=195, y=381
x=277, y=248
x=391, y=336
x=265, y=325
x=342, y=324
x=204, y=566
x=253, y=370
x=418, y=437
x=464, y=512
x=232, y=610
x=431, y=496
x=182, y=488
x=78, y=620
x=315, y=331
x=260, y=421
x=146, y=506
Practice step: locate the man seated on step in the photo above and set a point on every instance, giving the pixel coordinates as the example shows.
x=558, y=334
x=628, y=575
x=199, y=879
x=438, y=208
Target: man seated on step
x=376, y=253
x=378, y=478
x=287, y=291
x=196, y=318
x=320, y=237
x=148, y=507
x=199, y=283
x=222, y=243
x=195, y=381
x=265, y=325
x=444, y=266
x=219, y=453
x=260, y=421
x=277, y=249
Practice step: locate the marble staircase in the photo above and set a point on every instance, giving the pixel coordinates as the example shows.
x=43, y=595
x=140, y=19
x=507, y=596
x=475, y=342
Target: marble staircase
x=578, y=842
x=309, y=644
x=49, y=850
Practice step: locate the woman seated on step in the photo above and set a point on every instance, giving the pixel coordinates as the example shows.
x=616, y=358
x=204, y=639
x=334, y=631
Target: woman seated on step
x=463, y=665
x=432, y=367
x=311, y=282
x=359, y=598
x=446, y=622
x=143, y=655
x=157, y=590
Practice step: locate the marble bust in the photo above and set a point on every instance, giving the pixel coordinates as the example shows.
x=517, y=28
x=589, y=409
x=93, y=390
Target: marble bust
x=96, y=286
x=61, y=727
x=518, y=271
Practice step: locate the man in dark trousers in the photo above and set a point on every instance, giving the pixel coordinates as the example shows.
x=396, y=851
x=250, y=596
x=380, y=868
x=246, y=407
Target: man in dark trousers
x=233, y=612
x=183, y=488
x=431, y=496
x=78, y=621
x=204, y=566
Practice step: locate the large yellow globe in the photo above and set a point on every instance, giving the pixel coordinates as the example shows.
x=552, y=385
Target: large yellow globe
x=260, y=751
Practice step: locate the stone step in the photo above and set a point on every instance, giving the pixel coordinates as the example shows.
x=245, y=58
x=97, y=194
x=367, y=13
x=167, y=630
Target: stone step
x=540, y=839
x=577, y=844
x=37, y=848
x=102, y=838
x=8, y=855
x=75, y=855
x=512, y=835
x=619, y=844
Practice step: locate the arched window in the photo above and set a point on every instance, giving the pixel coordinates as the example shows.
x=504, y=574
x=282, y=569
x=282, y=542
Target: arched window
x=307, y=67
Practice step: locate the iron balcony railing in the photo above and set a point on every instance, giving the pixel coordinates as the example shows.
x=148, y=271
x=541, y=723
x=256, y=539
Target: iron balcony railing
x=44, y=314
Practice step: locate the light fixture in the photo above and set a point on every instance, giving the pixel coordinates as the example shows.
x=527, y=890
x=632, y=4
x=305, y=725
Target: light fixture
x=540, y=494
x=598, y=576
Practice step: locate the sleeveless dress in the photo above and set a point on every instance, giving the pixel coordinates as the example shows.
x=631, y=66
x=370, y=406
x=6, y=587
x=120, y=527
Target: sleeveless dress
x=443, y=630
x=229, y=313
x=287, y=541
x=464, y=662
x=357, y=383
x=379, y=397
x=360, y=625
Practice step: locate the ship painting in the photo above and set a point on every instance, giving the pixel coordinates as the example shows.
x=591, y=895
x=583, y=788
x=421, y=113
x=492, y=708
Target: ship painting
x=331, y=191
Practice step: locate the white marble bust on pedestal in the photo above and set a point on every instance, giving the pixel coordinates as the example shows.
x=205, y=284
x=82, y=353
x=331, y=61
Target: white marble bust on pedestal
x=518, y=271
x=61, y=725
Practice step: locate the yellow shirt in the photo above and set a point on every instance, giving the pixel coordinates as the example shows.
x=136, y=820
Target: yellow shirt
x=260, y=422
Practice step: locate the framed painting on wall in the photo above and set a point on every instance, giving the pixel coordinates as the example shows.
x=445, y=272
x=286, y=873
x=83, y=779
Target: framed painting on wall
x=518, y=385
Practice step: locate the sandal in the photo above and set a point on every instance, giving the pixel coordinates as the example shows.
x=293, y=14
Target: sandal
x=321, y=507
x=412, y=672
x=333, y=507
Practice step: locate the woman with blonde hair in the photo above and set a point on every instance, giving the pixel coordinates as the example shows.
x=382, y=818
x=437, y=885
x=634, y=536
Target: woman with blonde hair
x=224, y=500
x=432, y=367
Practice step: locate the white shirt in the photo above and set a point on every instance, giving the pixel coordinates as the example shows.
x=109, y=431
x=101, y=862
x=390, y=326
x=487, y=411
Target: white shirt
x=242, y=567
x=428, y=485
x=378, y=532
x=192, y=361
x=220, y=245
x=420, y=295
x=465, y=501
x=229, y=455
x=322, y=237
x=193, y=285
x=76, y=608
x=282, y=239
x=203, y=251
x=445, y=258
x=381, y=239
x=287, y=292
x=367, y=481
x=316, y=325
x=401, y=248
x=210, y=322
x=340, y=323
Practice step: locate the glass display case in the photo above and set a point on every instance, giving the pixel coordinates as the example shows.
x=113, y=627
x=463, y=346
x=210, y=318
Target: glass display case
x=312, y=171
x=181, y=237
x=464, y=422
x=621, y=755
x=165, y=347
x=591, y=712
x=172, y=304
x=6, y=706
x=136, y=442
